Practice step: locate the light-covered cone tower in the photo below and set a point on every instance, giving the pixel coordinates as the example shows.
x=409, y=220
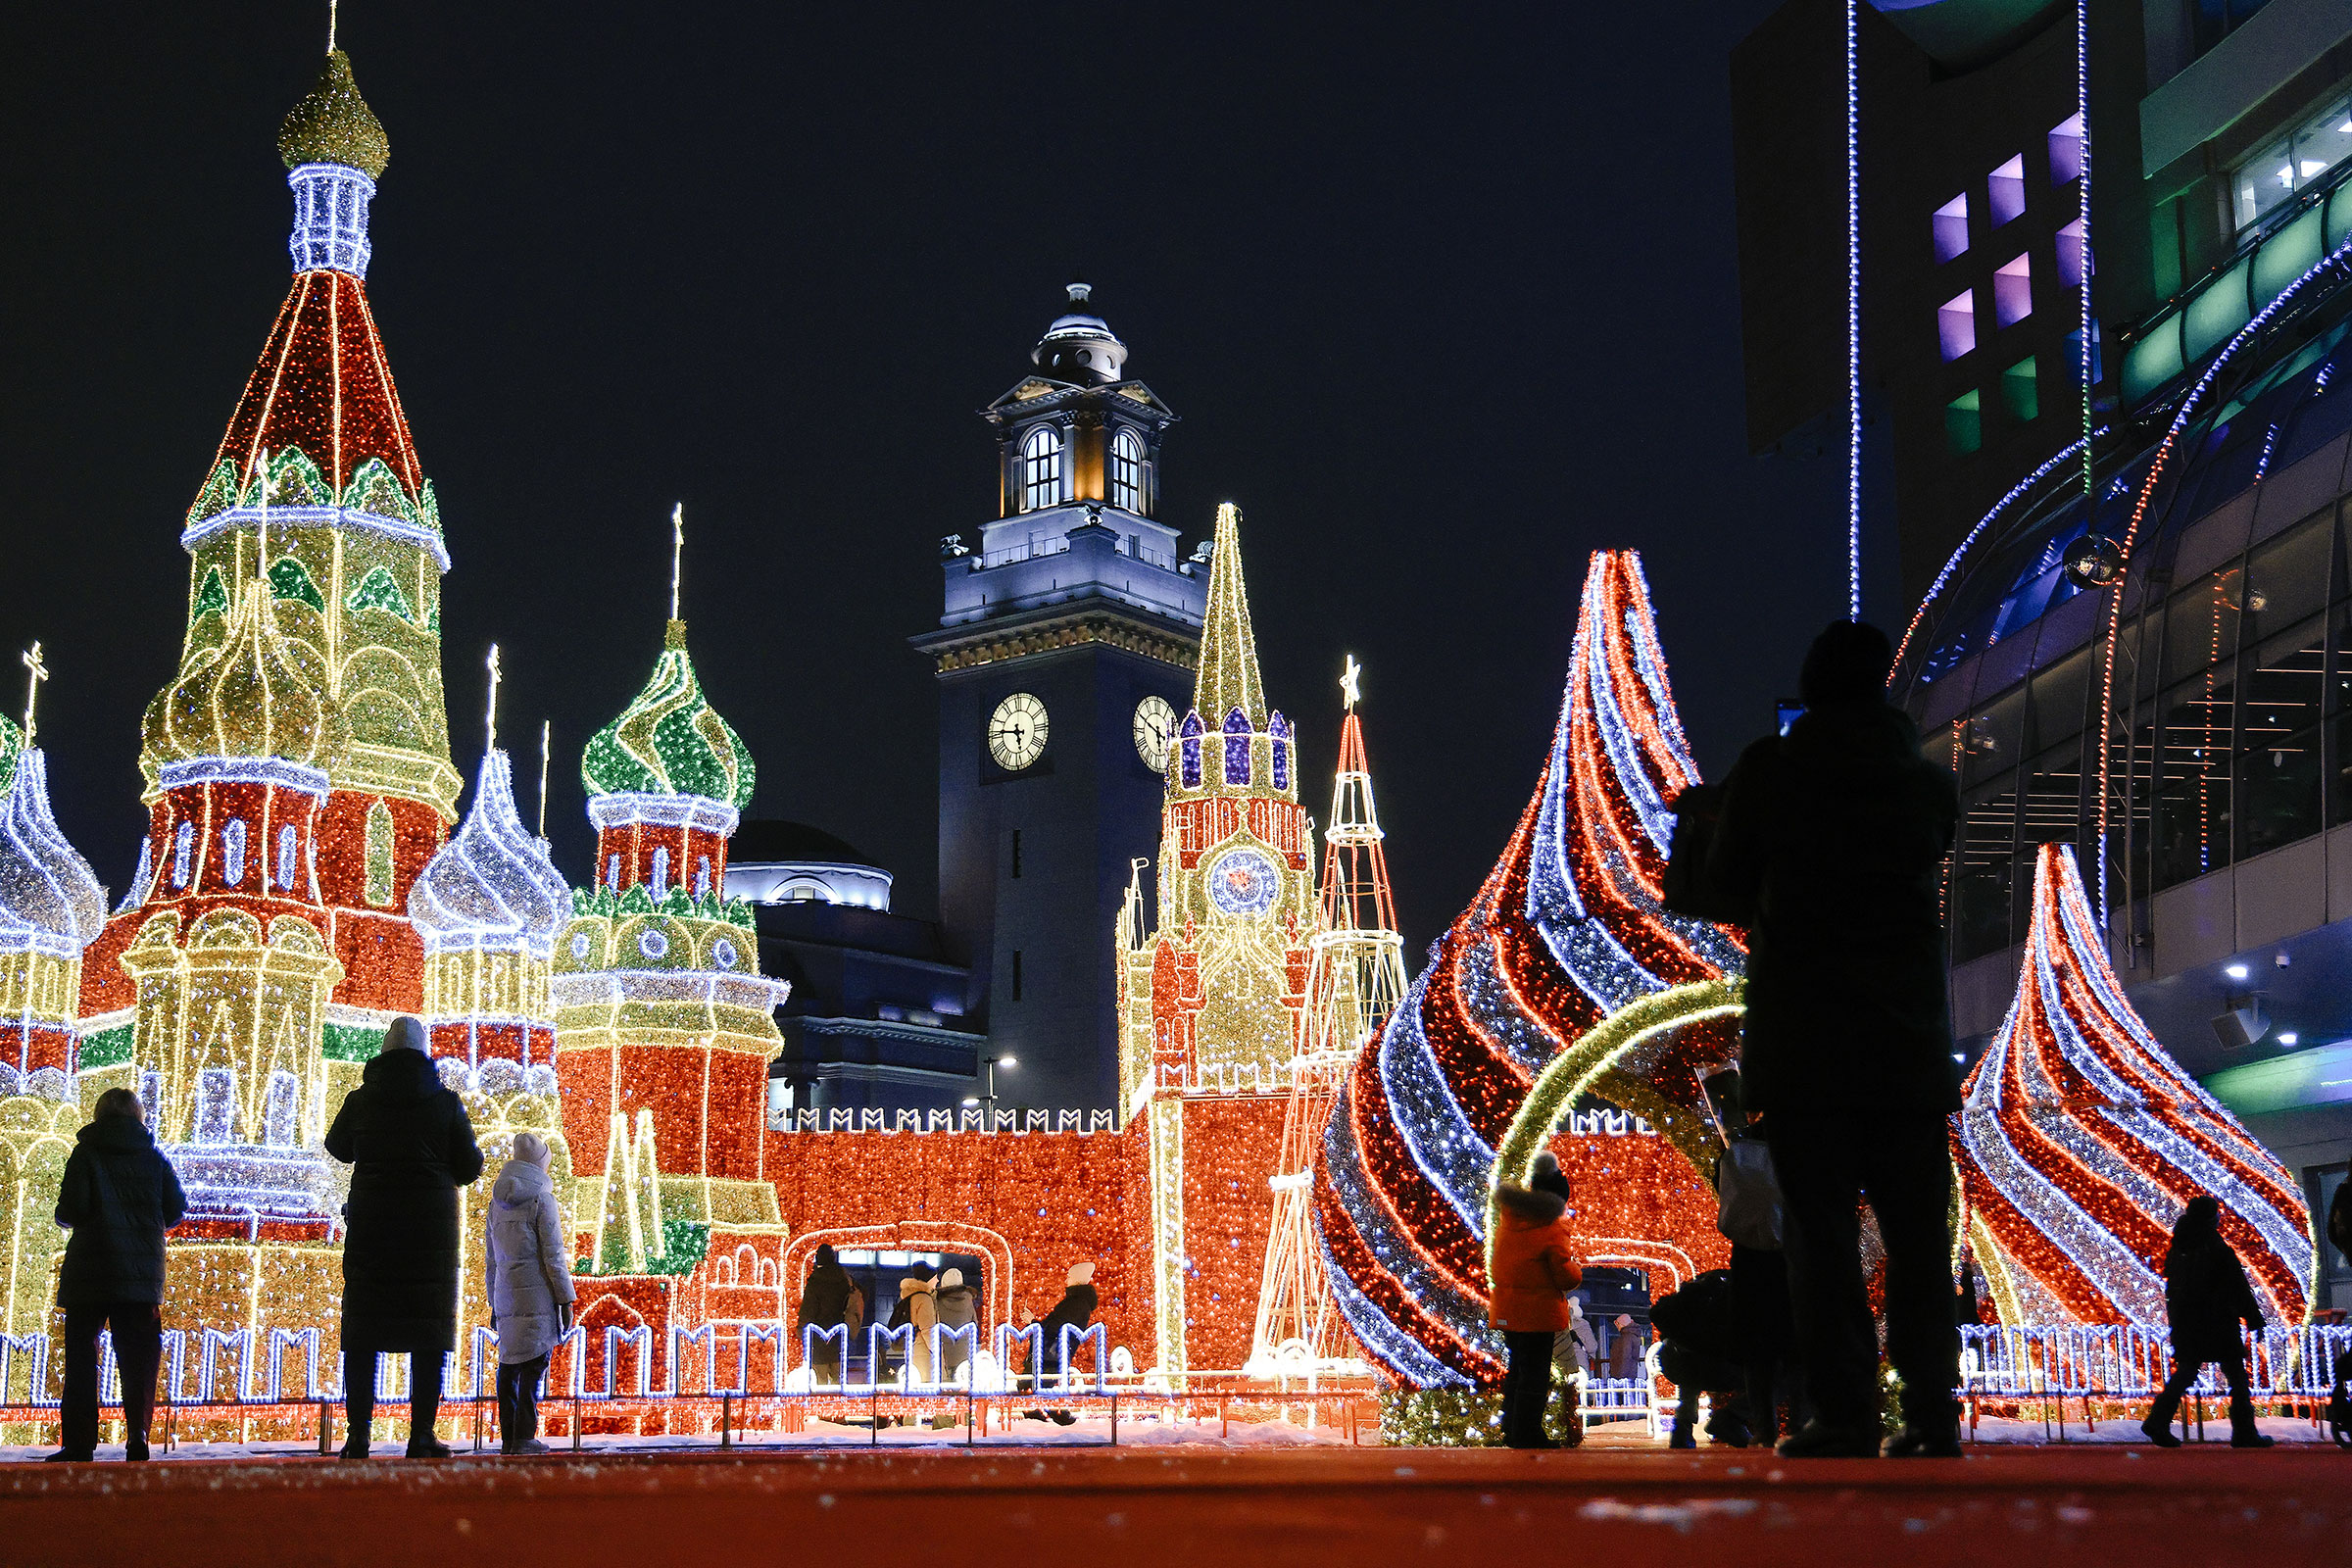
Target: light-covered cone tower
x=51, y=906
x=297, y=777
x=663, y=1023
x=2081, y=1139
x=1213, y=1003
x=1567, y=930
x=1356, y=979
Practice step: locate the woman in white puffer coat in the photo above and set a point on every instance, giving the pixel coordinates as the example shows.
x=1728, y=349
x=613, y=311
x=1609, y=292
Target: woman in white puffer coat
x=531, y=1295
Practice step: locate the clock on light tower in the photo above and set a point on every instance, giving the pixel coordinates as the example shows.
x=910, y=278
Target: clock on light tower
x=1066, y=645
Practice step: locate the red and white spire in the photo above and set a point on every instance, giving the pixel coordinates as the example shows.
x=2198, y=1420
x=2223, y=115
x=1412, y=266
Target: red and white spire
x=2081, y=1139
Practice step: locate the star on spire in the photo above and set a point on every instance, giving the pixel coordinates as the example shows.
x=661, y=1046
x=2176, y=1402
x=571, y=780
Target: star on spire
x=1352, y=684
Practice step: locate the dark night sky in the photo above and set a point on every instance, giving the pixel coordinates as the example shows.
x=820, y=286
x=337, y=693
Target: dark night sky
x=1443, y=308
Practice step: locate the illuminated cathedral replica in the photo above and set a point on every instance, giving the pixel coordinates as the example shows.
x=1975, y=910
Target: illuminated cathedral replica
x=1299, y=1168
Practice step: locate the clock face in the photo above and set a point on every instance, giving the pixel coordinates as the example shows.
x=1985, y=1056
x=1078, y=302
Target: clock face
x=1243, y=881
x=1016, y=732
x=1154, y=727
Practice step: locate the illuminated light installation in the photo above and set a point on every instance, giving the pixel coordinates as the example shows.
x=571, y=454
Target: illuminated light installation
x=2080, y=1139
x=489, y=907
x=1854, y=314
x=1356, y=979
x=1567, y=930
x=51, y=906
x=1212, y=1005
x=663, y=1026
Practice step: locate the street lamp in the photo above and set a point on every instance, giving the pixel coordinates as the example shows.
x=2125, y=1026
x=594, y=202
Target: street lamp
x=988, y=1092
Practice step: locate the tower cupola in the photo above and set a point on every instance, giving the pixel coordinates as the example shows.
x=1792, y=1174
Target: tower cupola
x=334, y=147
x=1080, y=348
x=668, y=782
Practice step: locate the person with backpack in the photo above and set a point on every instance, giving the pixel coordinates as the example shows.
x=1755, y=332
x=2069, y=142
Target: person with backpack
x=117, y=1198
x=1699, y=1346
x=2206, y=1298
x=1531, y=1273
x=531, y=1294
x=409, y=1146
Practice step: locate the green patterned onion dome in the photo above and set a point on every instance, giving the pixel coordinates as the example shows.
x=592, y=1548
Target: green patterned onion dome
x=333, y=125
x=671, y=741
x=12, y=746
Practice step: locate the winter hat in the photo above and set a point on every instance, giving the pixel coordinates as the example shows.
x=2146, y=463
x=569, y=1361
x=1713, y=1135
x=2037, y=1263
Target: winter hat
x=951, y=1279
x=1548, y=1176
x=532, y=1149
x=826, y=1257
x=406, y=1034
x=1846, y=664
x=1082, y=1274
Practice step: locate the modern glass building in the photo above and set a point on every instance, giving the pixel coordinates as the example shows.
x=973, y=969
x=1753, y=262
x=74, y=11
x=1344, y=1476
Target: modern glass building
x=2190, y=728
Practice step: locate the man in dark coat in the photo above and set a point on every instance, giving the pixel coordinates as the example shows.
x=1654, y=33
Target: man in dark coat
x=824, y=1304
x=1075, y=1309
x=2206, y=1298
x=1835, y=834
x=117, y=1196
x=411, y=1148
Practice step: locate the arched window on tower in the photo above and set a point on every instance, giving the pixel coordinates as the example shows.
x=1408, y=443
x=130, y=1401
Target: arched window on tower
x=1040, y=468
x=1237, y=747
x=232, y=851
x=1188, y=736
x=1127, y=471
x=286, y=867
x=279, y=1105
x=1279, y=729
x=660, y=887
x=183, y=849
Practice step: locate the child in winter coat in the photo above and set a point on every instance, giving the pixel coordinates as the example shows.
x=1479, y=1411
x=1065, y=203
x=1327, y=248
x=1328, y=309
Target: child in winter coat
x=531, y=1295
x=1531, y=1276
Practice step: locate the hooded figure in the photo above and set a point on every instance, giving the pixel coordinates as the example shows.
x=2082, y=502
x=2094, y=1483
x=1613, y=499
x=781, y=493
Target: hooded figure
x=1835, y=835
x=959, y=1307
x=531, y=1291
x=1532, y=1274
x=824, y=1304
x=531, y=1294
x=118, y=1196
x=922, y=1311
x=411, y=1148
x=2206, y=1297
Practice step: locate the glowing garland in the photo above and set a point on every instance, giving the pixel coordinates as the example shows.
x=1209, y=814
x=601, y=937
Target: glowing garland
x=2080, y=1139
x=1567, y=930
x=1853, y=316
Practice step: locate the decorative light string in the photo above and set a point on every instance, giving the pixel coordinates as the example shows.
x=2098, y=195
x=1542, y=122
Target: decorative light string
x=1853, y=318
x=2088, y=325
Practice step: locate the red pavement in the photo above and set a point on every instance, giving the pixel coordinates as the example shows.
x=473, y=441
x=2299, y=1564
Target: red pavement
x=1147, y=1508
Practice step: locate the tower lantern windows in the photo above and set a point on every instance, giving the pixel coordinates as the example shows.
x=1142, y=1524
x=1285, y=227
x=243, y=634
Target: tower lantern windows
x=285, y=856
x=232, y=851
x=183, y=849
x=1279, y=729
x=1040, y=468
x=1127, y=470
x=1189, y=750
x=1237, y=747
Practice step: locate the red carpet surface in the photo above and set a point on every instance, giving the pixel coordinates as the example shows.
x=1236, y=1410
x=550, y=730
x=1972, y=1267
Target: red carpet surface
x=1196, y=1506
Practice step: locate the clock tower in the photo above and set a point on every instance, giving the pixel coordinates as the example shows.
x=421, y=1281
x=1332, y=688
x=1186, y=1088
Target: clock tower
x=1064, y=654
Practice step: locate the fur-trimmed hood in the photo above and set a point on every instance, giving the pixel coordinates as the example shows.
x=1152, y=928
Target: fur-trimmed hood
x=1523, y=1206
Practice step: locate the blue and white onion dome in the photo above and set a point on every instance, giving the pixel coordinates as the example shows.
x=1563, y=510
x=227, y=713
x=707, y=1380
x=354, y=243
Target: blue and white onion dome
x=50, y=900
x=491, y=885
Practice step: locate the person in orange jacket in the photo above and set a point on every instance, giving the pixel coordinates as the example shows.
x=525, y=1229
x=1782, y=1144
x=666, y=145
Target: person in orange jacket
x=1533, y=1275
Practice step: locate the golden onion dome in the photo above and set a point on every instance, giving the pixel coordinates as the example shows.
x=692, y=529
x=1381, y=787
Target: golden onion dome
x=251, y=695
x=333, y=125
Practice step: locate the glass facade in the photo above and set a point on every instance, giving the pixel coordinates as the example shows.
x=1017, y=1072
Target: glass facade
x=2231, y=732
